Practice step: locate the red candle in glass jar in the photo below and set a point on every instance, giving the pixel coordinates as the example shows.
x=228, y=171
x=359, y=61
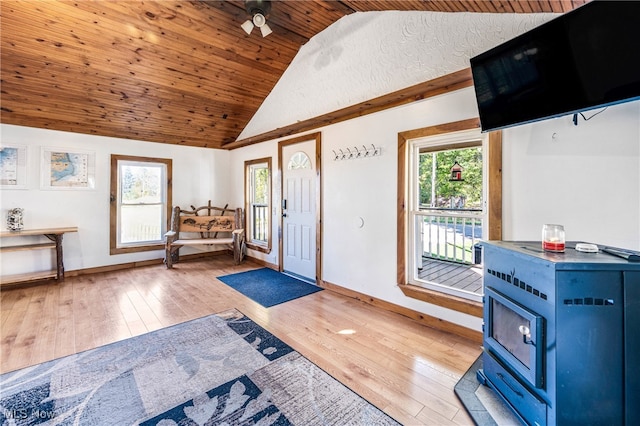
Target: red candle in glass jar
x=553, y=238
x=553, y=246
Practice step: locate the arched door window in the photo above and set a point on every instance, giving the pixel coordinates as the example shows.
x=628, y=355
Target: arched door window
x=299, y=160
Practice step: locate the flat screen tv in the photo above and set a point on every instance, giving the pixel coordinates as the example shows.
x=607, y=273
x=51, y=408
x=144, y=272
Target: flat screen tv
x=584, y=59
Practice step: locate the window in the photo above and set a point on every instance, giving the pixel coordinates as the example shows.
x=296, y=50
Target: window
x=446, y=212
x=299, y=160
x=258, y=204
x=408, y=201
x=140, y=203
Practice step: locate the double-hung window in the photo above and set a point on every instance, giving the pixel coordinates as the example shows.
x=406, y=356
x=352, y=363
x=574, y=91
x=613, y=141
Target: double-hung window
x=258, y=204
x=140, y=203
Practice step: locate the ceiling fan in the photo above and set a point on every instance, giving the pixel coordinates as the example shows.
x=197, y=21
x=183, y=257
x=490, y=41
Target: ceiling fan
x=258, y=10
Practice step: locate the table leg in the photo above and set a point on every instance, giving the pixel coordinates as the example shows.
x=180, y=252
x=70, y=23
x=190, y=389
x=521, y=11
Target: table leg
x=57, y=238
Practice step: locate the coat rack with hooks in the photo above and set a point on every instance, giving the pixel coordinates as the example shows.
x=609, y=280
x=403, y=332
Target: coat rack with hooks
x=353, y=153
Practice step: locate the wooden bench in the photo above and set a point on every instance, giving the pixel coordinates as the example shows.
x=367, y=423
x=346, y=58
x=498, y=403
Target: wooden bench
x=224, y=228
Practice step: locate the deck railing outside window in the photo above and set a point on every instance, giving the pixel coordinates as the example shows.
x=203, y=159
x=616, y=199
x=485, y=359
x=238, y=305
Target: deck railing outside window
x=259, y=214
x=449, y=234
x=142, y=233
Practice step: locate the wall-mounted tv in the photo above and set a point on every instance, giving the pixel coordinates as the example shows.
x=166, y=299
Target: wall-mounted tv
x=584, y=59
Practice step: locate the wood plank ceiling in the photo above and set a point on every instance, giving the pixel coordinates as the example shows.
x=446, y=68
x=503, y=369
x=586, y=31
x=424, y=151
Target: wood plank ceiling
x=171, y=71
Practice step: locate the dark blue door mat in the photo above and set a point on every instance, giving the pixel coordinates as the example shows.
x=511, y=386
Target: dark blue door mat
x=268, y=287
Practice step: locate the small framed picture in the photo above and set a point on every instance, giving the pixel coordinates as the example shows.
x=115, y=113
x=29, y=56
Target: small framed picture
x=63, y=168
x=13, y=166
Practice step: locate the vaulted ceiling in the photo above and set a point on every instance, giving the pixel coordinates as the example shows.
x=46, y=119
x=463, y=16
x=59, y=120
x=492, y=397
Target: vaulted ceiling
x=177, y=72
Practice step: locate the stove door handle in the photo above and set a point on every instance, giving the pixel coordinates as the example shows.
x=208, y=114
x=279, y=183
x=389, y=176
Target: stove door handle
x=526, y=335
x=517, y=392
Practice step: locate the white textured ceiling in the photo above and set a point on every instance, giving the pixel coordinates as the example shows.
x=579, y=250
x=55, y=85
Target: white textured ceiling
x=369, y=54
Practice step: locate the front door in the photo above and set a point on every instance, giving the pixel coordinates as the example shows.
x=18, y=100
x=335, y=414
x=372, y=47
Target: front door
x=299, y=210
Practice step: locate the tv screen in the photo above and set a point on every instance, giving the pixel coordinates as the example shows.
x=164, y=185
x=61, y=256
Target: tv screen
x=586, y=58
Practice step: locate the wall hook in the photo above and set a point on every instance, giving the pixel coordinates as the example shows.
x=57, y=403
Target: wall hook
x=356, y=152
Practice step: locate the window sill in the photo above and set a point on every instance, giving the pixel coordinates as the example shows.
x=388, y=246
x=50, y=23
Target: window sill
x=256, y=247
x=135, y=249
x=444, y=300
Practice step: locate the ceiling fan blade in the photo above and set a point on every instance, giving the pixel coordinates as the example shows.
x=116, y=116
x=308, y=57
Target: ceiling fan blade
x=265, y=30
x=247, y=26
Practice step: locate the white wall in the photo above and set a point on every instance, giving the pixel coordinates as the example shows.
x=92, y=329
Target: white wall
x=586, y=178
x=364, y=258
x=369, y=54
x=199, y=175
x=236, y=182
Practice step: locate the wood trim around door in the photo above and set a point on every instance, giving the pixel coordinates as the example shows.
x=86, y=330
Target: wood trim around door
x=305, y=138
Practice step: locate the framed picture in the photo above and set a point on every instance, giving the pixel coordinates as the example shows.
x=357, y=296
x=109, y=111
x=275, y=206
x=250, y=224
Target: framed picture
x=13, y=166
x=67, y=169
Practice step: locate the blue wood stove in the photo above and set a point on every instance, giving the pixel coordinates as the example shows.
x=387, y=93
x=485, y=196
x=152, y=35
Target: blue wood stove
x=562, y=334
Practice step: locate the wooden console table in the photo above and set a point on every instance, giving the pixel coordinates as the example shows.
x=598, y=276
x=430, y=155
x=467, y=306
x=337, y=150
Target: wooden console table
x=53, y=234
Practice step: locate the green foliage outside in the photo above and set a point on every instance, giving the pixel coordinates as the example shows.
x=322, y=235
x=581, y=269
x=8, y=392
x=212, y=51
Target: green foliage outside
x=261, y=185
x=259, y=214
x=141, y=184
x=447, y=192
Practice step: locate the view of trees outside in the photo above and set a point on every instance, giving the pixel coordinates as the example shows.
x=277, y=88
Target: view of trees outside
x=141, y=184
x=260, y=203
x=261, y=185
x=437, y=191
x=141, y=210
x=445, y=235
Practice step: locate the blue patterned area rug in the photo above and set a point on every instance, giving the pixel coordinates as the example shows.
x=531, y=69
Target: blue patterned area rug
x=268, y=287
x=222, y=369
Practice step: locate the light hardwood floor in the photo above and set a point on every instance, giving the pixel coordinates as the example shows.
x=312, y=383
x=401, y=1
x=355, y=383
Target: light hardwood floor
x=404, y=368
